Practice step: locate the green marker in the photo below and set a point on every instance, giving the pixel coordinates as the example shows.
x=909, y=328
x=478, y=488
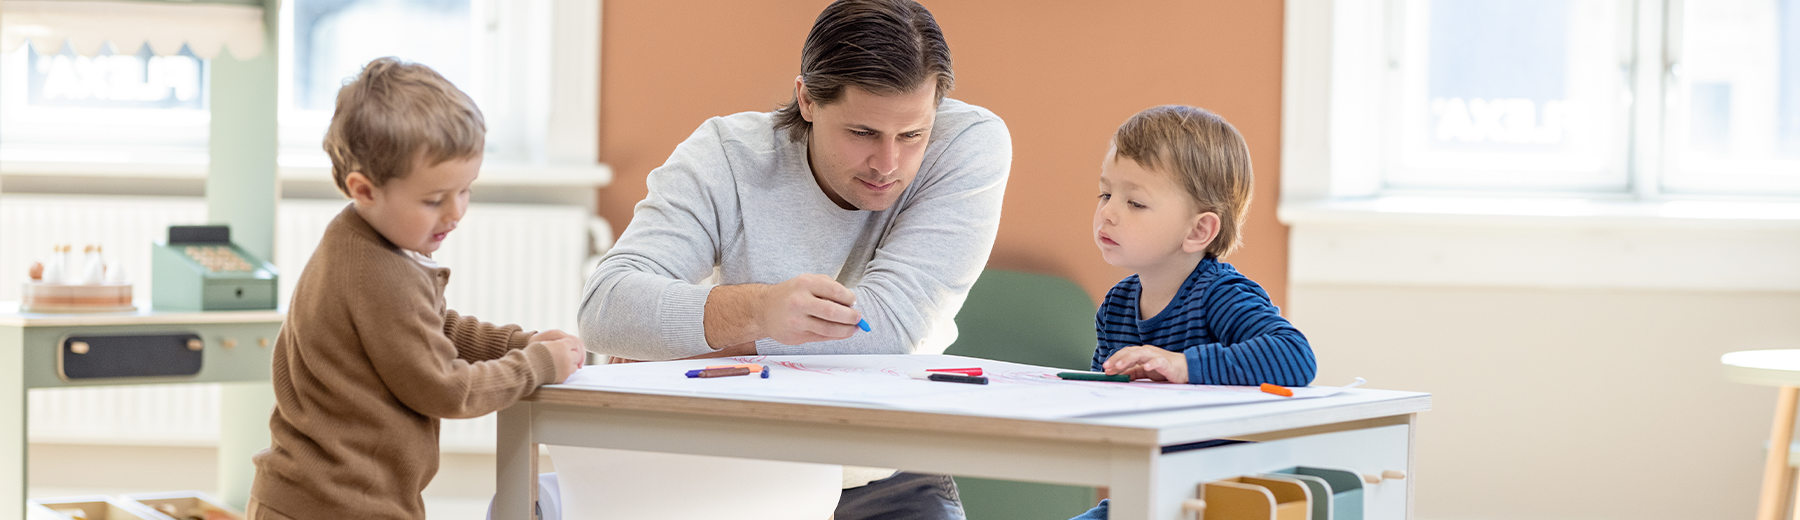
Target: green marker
x=1094, y=376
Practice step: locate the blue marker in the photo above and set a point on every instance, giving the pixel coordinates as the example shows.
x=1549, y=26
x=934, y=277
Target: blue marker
x=863, y=324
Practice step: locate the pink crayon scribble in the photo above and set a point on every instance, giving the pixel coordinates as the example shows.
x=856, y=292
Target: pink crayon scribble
x=794, y=365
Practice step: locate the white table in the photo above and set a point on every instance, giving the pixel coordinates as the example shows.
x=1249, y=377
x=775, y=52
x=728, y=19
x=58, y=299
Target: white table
x=1366, y=431
x=1777, y=368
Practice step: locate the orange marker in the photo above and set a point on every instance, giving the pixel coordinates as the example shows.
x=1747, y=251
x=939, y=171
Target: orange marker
x=1277, y=390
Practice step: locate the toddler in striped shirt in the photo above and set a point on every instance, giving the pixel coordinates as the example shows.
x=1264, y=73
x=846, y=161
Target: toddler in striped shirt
x=1174, y=192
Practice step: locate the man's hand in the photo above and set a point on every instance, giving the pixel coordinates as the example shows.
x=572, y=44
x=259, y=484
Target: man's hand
x=1146, y=361
x=807, y=308
x=804, y=309
x=568, y=352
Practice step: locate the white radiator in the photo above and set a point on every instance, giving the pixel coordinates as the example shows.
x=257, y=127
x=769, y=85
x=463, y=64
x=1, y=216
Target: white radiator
x=510, y=263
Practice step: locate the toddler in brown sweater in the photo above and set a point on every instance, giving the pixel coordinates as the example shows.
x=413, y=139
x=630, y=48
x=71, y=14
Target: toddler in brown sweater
x=370, y=358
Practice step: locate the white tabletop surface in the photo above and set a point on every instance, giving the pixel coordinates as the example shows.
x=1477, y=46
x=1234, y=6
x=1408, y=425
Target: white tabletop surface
x=1763, y=367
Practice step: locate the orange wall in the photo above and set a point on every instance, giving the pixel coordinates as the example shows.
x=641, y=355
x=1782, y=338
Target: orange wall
x=1062, y=74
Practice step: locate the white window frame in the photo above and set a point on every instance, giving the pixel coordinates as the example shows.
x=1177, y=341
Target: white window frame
x=1347, y=227
x=547, y=56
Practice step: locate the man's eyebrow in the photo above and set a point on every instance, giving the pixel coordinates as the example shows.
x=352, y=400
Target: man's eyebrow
x=866, y=128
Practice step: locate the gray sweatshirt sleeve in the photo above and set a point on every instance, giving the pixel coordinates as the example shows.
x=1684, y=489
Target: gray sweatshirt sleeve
x=931, y=256
x=645, y=301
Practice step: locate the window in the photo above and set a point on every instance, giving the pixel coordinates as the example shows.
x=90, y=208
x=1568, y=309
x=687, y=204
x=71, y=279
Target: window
x=1735, y=105
x=1517, y=93
x=1629, y=99
x=329, y=41
x=110, y=107
x=96, y=110
x=515, y=58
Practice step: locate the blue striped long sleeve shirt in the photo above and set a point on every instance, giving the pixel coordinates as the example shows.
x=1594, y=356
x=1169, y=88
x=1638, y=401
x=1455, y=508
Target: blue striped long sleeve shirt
x=1223, y=322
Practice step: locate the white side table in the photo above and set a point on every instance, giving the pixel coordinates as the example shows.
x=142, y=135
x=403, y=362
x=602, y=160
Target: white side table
x=1778, y=368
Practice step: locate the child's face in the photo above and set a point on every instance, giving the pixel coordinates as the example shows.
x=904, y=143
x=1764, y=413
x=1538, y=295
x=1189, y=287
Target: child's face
x=1143, y=219
x=419, y=210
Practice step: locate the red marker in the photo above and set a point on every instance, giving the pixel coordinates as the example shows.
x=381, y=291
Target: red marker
x=963, y=371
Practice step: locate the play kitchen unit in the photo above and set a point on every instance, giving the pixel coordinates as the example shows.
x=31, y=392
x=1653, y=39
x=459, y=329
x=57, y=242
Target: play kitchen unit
x=211, y=319
x=212, y=314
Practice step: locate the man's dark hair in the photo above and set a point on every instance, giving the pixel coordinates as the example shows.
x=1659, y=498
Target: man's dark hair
x=885, y=47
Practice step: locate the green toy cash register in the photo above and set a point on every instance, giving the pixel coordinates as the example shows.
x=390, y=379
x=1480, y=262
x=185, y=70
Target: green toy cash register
x=199, y=269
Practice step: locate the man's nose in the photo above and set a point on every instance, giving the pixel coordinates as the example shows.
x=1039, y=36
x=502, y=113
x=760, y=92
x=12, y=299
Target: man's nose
x=887, y=157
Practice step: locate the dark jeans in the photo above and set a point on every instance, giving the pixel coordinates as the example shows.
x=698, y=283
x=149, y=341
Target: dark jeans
x=904, y=496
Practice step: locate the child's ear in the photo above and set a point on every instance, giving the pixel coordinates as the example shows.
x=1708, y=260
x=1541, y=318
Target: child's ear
x=1206, y=228
x=361, y=189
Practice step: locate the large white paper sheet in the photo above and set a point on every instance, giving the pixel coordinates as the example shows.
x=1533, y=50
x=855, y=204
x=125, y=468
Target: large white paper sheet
x=1014, y=390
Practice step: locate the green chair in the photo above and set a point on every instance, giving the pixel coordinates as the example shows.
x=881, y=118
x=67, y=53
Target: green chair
x=1032, y=319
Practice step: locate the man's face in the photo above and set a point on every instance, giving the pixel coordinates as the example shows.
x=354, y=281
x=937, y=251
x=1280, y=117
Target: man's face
x=866, y=148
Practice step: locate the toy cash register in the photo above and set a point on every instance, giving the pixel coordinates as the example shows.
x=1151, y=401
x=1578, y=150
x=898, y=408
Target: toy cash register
x=199, y=269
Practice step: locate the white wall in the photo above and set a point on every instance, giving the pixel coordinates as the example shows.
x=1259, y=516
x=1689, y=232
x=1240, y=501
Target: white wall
x=1567, y=403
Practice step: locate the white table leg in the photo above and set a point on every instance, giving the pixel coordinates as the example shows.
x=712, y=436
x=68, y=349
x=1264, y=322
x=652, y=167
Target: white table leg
x=1133, y=483
x=12, y=424
x=516, y=455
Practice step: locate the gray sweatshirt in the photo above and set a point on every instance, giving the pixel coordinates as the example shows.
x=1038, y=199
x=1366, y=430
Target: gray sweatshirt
x=737, y=196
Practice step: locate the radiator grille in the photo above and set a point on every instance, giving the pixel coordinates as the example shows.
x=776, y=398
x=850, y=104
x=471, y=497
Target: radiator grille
x=510, y=263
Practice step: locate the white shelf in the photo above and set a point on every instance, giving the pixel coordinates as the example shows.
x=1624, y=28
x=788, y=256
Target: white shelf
x=492, y=173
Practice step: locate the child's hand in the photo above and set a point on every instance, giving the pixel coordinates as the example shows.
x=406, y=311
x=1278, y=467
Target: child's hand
x=1145, y=361
x=569, y=353
x=549, y=335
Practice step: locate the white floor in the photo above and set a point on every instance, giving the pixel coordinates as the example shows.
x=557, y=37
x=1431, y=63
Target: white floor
x=461, y=490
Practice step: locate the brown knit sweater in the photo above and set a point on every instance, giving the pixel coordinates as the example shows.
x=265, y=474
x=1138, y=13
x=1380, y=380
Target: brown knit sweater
x=367, y=362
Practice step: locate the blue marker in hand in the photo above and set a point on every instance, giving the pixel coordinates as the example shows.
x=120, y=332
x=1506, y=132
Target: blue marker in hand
x=863, y=324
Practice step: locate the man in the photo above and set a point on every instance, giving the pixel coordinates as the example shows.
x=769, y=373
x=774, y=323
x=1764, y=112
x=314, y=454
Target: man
x=869, y=197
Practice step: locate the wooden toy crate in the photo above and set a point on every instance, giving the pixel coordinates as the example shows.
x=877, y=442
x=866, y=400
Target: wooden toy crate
x=185, y=505
x=89, y=508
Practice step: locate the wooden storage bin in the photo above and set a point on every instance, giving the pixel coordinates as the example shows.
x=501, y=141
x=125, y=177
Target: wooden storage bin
x=1318, y=493
x=185, y=505
x=1346, y=490
x=94, y=508
x=1284, y=499
x=1360, y=455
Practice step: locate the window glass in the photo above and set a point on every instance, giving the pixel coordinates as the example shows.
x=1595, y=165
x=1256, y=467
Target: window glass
x=114, y=80
x=111, y=107
x=1734, y=111
x=331, y=40
x=1525, y=94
